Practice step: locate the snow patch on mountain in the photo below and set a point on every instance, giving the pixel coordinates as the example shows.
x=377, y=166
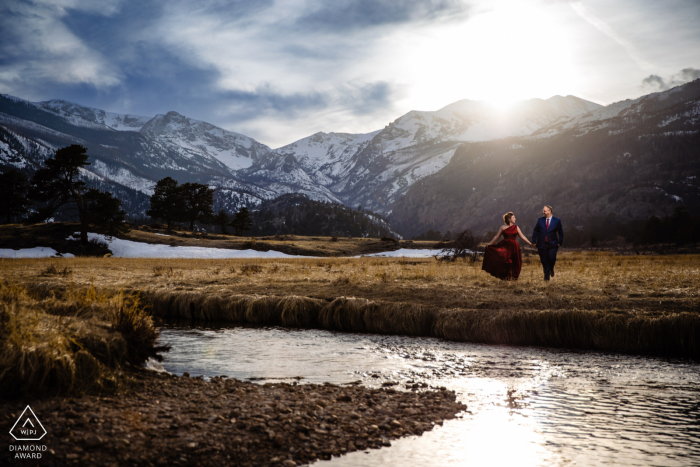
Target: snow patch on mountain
x=89, y=117
x=11, y=121
x=20, y=152
x=322, y=152
x=196, y=138
x=122, y=176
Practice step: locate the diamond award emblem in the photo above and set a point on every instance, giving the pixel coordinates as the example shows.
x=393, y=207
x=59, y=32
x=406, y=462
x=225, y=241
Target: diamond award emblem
x=28, y=427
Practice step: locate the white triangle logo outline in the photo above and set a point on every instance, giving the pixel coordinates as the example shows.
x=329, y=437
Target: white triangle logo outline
x=35, y=418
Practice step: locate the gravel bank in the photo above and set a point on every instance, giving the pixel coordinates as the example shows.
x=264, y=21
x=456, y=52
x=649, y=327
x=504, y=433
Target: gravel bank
x=168, y=420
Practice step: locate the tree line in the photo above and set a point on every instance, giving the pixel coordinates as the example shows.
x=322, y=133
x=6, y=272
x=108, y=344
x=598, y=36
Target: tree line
x=58, y=184
x=296, y=213
x=190, y=203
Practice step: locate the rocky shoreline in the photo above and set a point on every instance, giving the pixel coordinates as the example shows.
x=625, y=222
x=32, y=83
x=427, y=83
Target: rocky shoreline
x=161, y=419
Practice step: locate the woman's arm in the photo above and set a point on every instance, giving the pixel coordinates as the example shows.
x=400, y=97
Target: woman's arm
x=500, y=231
x=520, y=234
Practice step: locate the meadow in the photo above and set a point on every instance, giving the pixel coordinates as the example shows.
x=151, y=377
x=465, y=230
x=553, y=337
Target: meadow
x=639, y=304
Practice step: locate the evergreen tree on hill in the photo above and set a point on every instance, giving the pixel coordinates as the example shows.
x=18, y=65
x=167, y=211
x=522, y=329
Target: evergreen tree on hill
x=198, y=203
x=13, y=193
x=242, y=222
x=221, y=219
x=167, y=202
x=105, y=213
x=57, y=184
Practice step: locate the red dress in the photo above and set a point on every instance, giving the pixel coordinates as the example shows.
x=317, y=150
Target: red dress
x=503, y=259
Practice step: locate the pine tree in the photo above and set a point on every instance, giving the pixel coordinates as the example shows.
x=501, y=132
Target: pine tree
x=104, y=212
x=242, y=222
x=199, y=202
x=167, y=202
x=13, y=193
x=221, y=219
x=57, y=184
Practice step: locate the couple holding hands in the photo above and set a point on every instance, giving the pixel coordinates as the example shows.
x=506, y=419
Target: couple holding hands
x=503, y=260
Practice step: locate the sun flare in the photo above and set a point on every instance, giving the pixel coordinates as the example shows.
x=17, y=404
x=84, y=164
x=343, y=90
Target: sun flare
x=507, y=54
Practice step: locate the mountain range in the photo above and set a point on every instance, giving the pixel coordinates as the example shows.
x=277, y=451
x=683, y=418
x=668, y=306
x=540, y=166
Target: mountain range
x=426, y=169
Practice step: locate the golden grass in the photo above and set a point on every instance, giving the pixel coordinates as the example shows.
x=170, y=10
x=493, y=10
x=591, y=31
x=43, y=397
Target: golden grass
x=67, y=340
x=596, y=300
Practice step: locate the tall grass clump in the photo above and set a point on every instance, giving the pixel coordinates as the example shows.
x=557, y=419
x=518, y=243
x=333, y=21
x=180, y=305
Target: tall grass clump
x=672, y=334
x=79, y=342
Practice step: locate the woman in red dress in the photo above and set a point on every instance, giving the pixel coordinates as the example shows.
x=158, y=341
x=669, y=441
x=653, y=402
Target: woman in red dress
x=503, y=259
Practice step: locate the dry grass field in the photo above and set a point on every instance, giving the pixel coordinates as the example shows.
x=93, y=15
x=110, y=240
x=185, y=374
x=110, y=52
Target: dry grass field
x=596, y=301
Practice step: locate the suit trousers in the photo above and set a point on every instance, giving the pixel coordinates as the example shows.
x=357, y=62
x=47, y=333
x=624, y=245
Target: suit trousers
x=548, y=257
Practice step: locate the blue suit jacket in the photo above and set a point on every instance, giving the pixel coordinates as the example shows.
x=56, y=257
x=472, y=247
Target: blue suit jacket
x=555, y=234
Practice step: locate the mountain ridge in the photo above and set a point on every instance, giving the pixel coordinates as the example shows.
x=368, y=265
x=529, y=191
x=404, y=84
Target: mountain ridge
x=376, y=170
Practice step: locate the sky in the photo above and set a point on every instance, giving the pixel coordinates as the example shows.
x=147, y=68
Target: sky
x=281, y=70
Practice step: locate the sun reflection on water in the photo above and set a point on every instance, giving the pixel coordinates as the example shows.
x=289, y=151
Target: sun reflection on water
x=525, y=406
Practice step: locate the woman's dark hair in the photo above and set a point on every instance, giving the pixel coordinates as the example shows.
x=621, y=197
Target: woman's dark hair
x=506, y=217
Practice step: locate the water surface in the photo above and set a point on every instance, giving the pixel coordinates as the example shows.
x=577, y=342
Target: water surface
x=525, y=406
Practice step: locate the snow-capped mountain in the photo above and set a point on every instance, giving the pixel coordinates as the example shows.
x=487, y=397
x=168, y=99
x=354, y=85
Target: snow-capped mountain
x=627, y=161
x=193, y=137
x=630, y=110
x=187, y=136
x=93, y=118
x=374, y=169
x=370, y=169
x=134, y=151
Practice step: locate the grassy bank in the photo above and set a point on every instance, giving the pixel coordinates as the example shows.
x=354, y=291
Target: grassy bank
x=596, y=301
x=69, y=341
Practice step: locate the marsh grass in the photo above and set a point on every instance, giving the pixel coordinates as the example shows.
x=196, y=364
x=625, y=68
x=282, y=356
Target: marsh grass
x=52, y=270
x=596, y=300
x=58, y=340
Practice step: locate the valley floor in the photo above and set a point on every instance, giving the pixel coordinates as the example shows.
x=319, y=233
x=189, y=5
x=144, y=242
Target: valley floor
x=596, y=300
x=67, y=310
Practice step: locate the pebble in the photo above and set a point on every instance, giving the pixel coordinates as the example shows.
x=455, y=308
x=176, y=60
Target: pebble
x=160, y=419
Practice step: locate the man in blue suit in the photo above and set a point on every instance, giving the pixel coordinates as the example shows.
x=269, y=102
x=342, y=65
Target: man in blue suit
x=548, y=236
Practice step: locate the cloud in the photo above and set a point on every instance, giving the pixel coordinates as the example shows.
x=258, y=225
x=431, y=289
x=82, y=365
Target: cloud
x=231, y=62
x=657, y=83
x=35, y=45
x=606, y=29
x=343, y=15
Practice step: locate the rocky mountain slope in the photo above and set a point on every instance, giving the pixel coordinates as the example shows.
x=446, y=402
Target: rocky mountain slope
x=634, y=159
x=371, y=169
x=455, y=167
x=375, y=169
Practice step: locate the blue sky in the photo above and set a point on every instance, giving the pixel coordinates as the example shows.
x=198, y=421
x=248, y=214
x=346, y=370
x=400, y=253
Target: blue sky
x=282, y=70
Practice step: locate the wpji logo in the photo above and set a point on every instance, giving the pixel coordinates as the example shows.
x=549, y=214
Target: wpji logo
x=28, y=427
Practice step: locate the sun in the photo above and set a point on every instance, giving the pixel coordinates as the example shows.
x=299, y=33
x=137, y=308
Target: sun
x=507, y=54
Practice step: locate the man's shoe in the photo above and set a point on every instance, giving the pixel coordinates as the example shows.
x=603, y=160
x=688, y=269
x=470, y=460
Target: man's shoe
x=551, y=273
x=546, y=278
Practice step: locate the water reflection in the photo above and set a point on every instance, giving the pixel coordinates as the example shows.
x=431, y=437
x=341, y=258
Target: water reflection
x=526, y=406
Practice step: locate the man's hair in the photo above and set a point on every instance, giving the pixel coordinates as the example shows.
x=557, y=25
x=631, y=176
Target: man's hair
x=549, y=207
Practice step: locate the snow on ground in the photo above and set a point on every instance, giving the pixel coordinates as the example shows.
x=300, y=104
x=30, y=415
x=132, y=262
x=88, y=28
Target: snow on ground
x=128, y=249
x=37, y=252
x=407, y=253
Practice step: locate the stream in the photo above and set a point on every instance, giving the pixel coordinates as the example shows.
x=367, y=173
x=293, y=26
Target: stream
x=526, y=406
